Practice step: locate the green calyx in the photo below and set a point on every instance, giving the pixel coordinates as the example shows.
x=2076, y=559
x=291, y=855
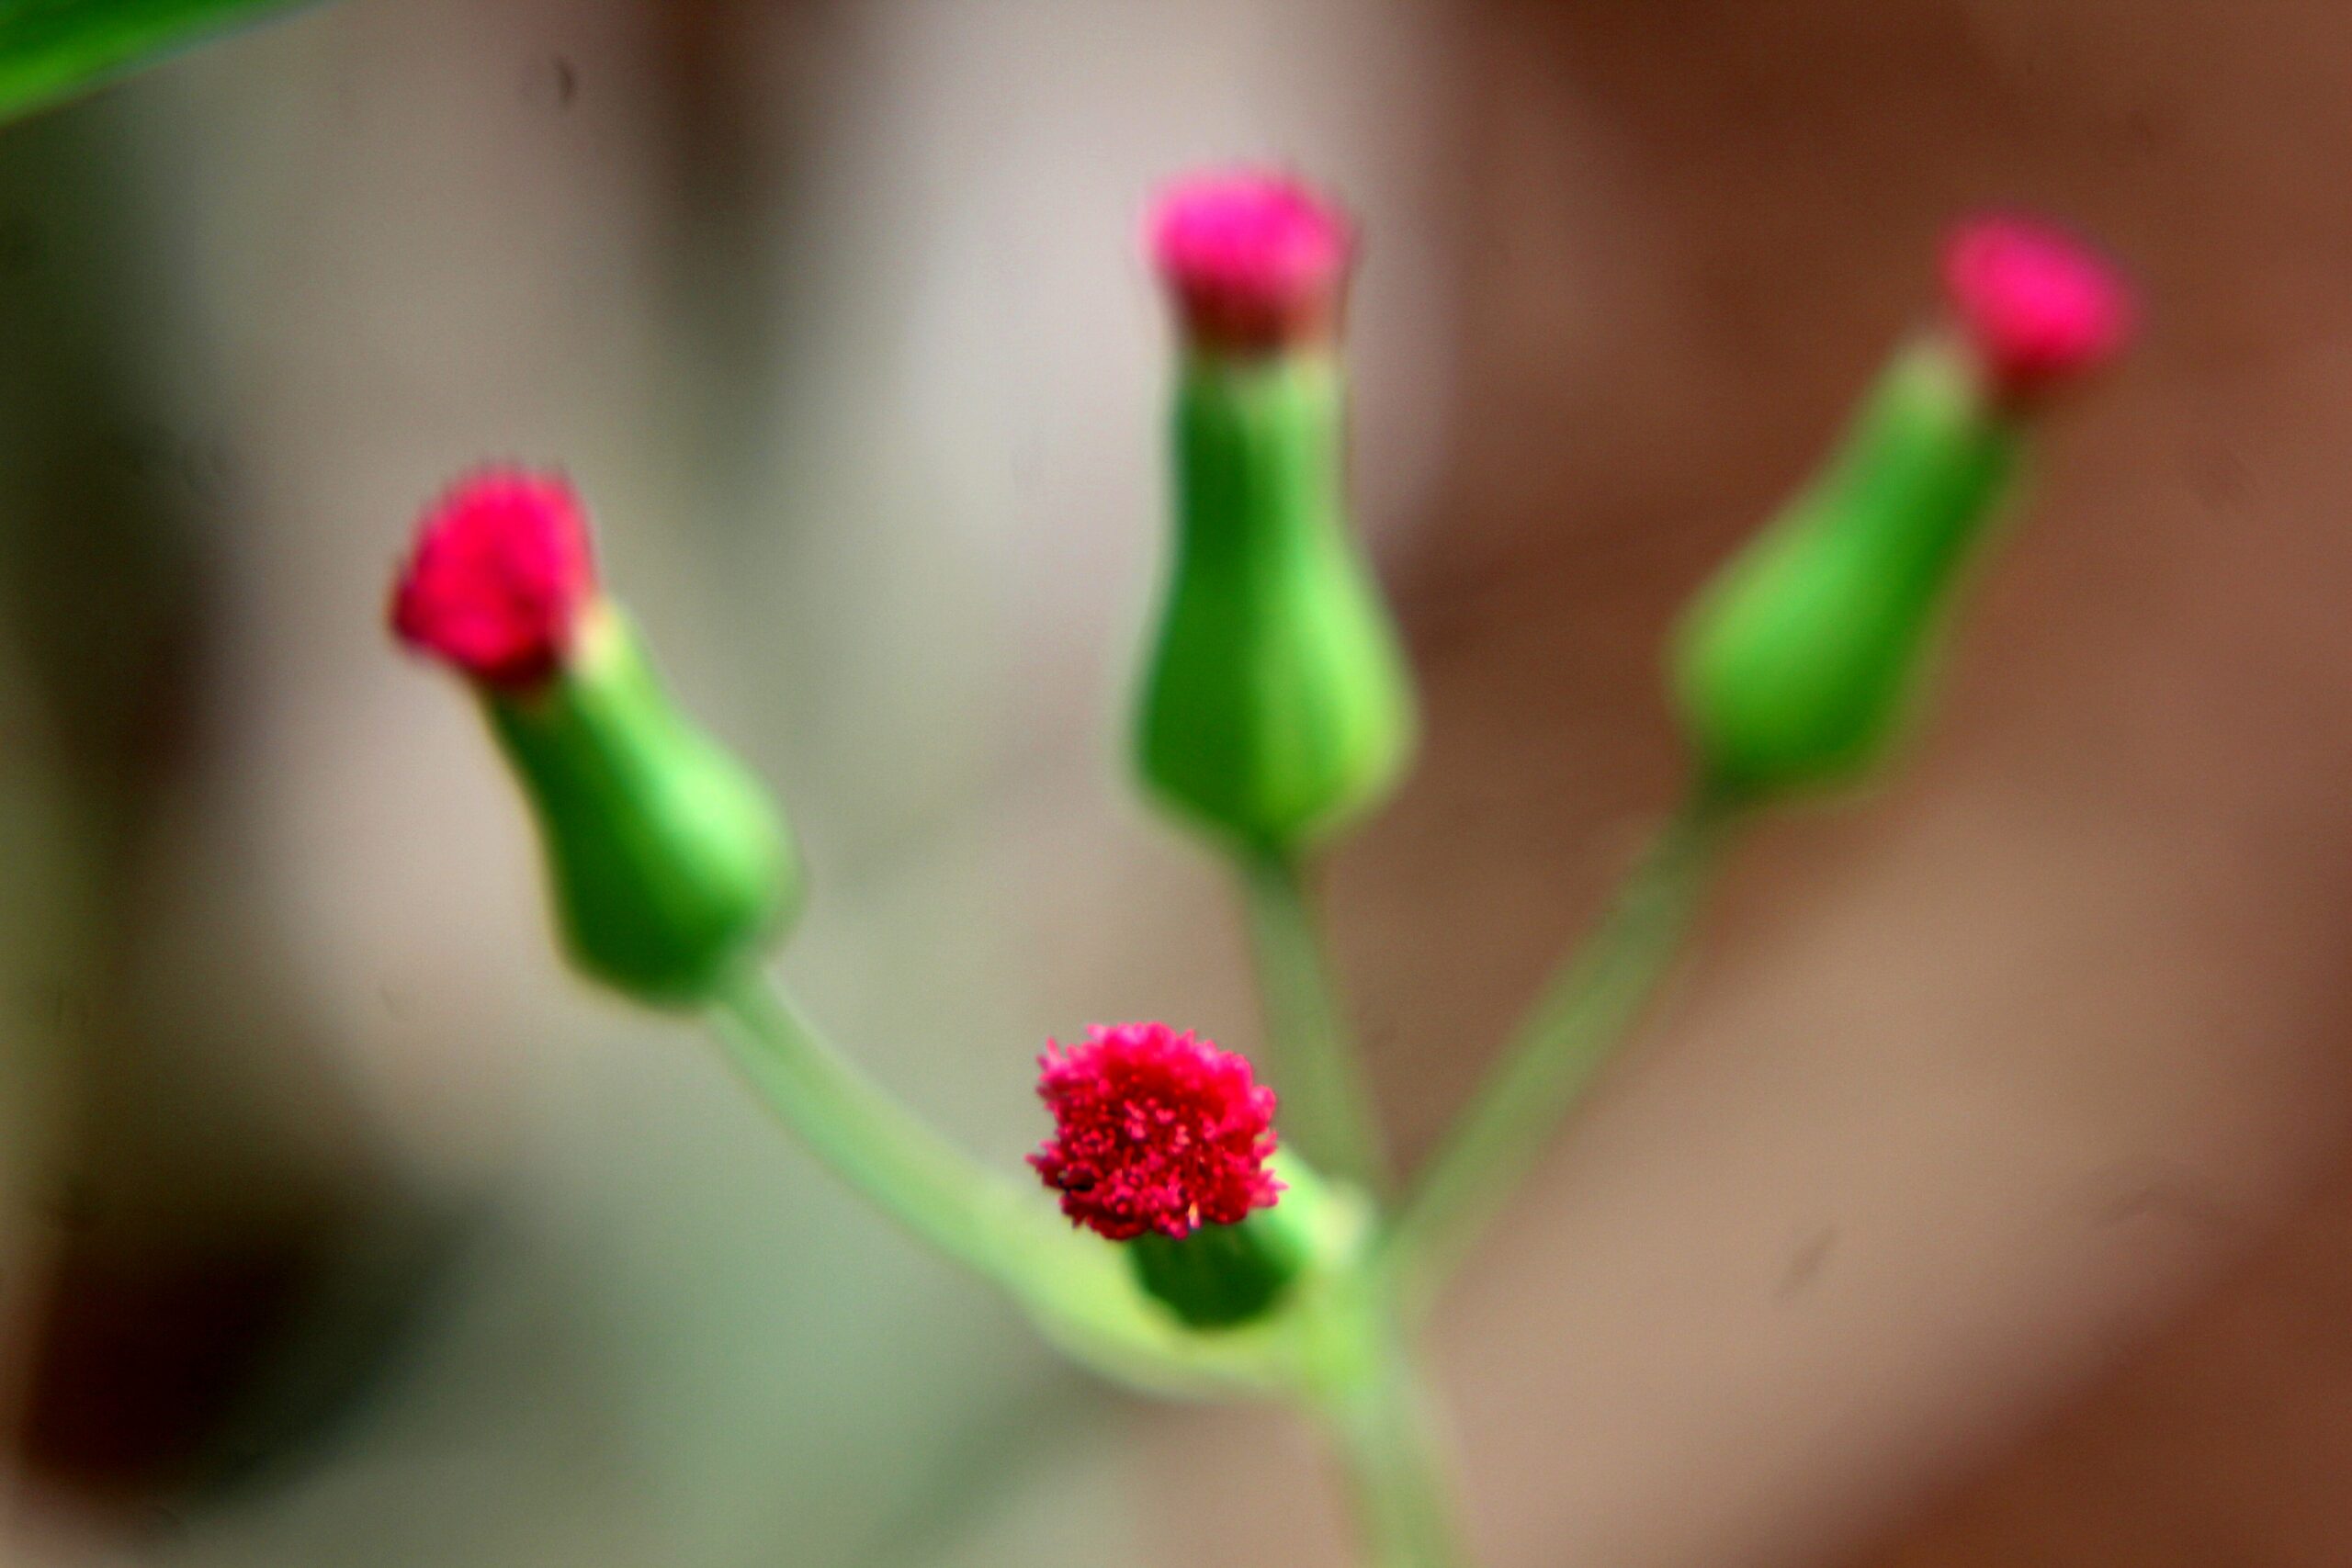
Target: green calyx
x=1226, y=1276
x=1799, y=664
x=669, y=865
x=1275, y=704
x=1220, y=1276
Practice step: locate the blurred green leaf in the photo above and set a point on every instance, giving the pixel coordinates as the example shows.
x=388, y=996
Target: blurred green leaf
x=49, y=49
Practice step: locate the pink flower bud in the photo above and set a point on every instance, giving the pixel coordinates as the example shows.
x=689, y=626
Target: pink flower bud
x=500, y=575
x=2039, y=307
x=1253, y=260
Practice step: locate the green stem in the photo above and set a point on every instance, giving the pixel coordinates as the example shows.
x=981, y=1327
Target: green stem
x=1328, y=1106
x=1396, y=1481
x=1078, y=1287
x=1588, y=1006
x=1364, y=1387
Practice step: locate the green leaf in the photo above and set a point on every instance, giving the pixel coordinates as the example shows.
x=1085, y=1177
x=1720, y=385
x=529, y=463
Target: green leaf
x=52, y=49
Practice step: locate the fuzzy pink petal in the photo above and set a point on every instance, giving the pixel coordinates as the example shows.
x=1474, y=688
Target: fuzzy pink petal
x=500, y=573
x=2041, y=307
x=1154, y=1131
x=1252, y=258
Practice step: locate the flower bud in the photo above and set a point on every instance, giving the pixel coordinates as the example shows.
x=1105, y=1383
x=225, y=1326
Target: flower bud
x=2037, y=308
x=501, y=577
x=1164, y=1142
x=669, y=865
x=1799, y=665
x=1275, y=706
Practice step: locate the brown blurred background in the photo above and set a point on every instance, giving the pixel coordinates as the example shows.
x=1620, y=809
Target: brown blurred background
x=1982, y=1197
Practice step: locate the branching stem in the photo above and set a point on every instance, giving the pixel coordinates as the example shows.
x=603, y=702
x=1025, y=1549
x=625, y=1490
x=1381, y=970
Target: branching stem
x=1328, y=1107
x=1593, y=1000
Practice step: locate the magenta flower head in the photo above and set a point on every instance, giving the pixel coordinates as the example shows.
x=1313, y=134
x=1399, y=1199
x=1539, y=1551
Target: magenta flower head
x=2039, y=308
x=671, y=869
x=1155, y=1132
x=499, y=579
x=1163, y=1142
x=1254, y=260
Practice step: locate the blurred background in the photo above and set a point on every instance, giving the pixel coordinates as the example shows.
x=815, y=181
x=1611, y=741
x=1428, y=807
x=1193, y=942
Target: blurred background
x=1982, y=1196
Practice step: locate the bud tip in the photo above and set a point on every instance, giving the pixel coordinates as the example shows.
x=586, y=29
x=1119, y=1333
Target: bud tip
x=1255, y=259
x=500, y=573
x=2039, y=306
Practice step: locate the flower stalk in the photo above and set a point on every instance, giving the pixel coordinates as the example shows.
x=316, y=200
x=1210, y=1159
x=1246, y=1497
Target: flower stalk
x=1384, y=1427
x=1596, y=995
x=1328, y=1106
x=1078, y=1287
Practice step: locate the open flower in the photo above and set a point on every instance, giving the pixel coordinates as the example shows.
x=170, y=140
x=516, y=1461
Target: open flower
x=500, y=577
x=1157, y=1131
